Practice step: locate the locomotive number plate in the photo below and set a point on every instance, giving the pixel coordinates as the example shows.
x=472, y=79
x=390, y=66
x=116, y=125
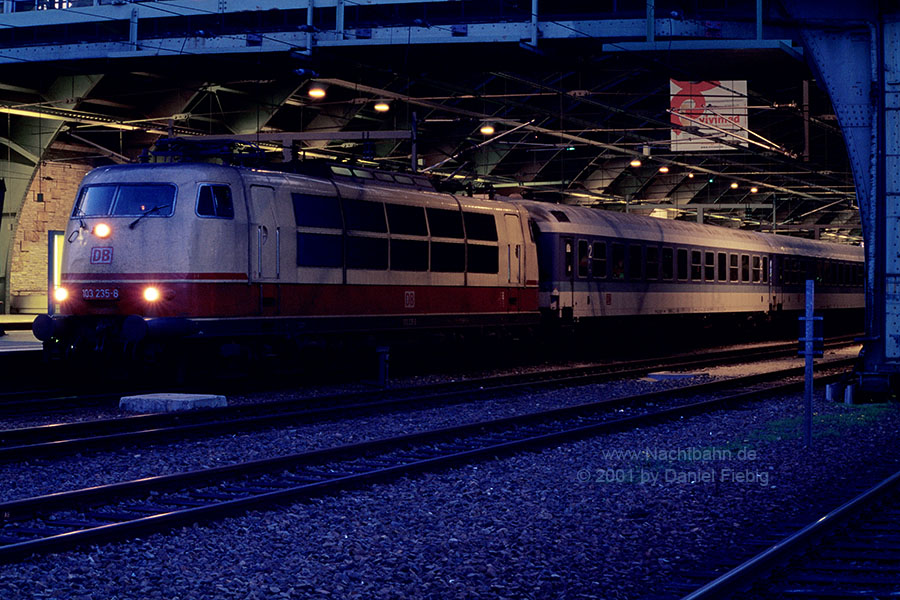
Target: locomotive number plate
x=100, y=293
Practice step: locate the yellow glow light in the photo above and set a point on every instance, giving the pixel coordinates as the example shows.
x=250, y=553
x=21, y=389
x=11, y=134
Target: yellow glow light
x=382, y=107
x=690, y=175
x=635, y=162
x=754, y=189
x=60, y=294
x=151, y=294
x=487, y=129
x=102, y=230
x=734, y=185
x=316, y=93
x=664, y=169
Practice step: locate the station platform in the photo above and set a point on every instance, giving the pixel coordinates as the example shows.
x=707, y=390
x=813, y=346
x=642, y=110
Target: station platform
x=18, y=336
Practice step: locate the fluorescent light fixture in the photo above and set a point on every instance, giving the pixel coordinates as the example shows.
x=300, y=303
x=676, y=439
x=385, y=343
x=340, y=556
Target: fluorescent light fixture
x=382, y=106
x=316, y=92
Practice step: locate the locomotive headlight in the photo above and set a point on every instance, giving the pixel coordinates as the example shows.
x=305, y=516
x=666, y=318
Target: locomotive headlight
x=102, y=230
x=151, y=294
x=60, y=294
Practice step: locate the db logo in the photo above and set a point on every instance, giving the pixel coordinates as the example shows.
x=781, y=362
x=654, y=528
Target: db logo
x=101, y=256
x=409, y=299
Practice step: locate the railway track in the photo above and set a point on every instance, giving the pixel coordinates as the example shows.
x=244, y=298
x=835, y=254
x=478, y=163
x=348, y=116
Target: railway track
x=99, y=514
x=852, y=552
x=47, y=400
x=56, y=439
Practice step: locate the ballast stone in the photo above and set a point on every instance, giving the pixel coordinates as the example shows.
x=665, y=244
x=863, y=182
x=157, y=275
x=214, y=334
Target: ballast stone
x=145, y=403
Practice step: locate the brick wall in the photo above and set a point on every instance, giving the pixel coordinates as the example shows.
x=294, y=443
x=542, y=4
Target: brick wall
x=28, y=271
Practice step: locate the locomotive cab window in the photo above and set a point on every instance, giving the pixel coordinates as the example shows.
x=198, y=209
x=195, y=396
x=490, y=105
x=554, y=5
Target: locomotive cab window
x=152, y=200
x=215, y=201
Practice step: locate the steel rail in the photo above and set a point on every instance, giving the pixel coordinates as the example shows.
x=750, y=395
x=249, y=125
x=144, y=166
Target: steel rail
x=764, y=562
x=30, y=526
x=47, y=440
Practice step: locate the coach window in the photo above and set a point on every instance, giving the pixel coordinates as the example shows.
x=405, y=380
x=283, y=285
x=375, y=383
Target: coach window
x=757, y=269
x=618, y=261
x=722, y=265
x=668, y=257
x=215, y=201
x=733, y=268
x=583, y=258
x=652, y=263
x=635, y=262
x=765, y=269
x=682, y=264
x=709, y=270
x=598, y=260
x=696, y=265
x=745, y=268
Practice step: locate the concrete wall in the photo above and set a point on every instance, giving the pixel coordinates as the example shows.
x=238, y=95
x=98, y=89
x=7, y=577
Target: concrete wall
x=28, y=270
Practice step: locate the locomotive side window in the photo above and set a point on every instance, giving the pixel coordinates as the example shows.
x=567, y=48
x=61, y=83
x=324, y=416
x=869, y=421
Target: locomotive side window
x=722, y=266
x=406, y=220
x=317, y=211
x=709, y=269
x=745, y=268
x=598, y=260
x=618, y=261
x=445, y=223
x=315, y=250
x=667, y=259
x=447, y=257
x=482, y=259
x=367, y=253
x=215, y=201
x=733, y=268
x=757, y=270
x=409, y=255
x=480, y=226
x=583, y=258
x=652, y=263
x=362, y=215
x=635, y=262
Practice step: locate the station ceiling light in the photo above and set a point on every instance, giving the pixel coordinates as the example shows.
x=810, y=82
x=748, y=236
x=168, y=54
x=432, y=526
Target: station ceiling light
x=664, y=169
x=382, y=106
x=316, y=92
x=734, y=185
x=487, y=129
x=635, y=162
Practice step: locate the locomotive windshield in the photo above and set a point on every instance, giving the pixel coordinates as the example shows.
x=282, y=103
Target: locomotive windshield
x=125, y=200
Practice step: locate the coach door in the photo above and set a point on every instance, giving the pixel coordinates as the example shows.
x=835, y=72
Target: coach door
x=567, y=285
x=514, y=249
x=265, y=242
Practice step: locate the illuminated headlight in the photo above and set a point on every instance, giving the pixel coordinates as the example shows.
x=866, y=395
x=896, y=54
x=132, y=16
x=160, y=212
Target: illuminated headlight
x=102, y=230
x=151, y=294
x=60, y=294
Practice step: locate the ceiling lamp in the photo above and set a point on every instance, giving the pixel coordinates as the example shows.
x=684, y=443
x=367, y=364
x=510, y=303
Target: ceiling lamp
x=382, y=106
x=664, y=169
x=316, y=92
x=734, y=185
x=487, y=129
x=635, y=162
x=754, y=189
x=690, y=175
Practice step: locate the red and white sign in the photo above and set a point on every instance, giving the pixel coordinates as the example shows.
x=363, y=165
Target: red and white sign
x=717, y=109
x=101, y=255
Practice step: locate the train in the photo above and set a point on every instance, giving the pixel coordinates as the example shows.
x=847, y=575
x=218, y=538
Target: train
x=176, y=252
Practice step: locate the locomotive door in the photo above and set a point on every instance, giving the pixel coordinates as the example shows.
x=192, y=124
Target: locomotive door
x=265, y=242
x=513, y=251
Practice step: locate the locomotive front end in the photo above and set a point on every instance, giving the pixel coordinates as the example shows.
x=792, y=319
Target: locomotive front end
x=135, y=245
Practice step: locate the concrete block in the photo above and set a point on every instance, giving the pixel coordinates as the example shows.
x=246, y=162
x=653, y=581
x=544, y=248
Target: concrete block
x=155, y=403
x=834, y=392
x=849, y=394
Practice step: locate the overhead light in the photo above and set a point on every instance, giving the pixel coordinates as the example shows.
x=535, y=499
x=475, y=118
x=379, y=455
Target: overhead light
x=316, y=92
x=734, y=185
x=754, y=189
x=487, y=129
x=635, y=162
x=664, y=169
x=382, y=106
x=690, y=175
